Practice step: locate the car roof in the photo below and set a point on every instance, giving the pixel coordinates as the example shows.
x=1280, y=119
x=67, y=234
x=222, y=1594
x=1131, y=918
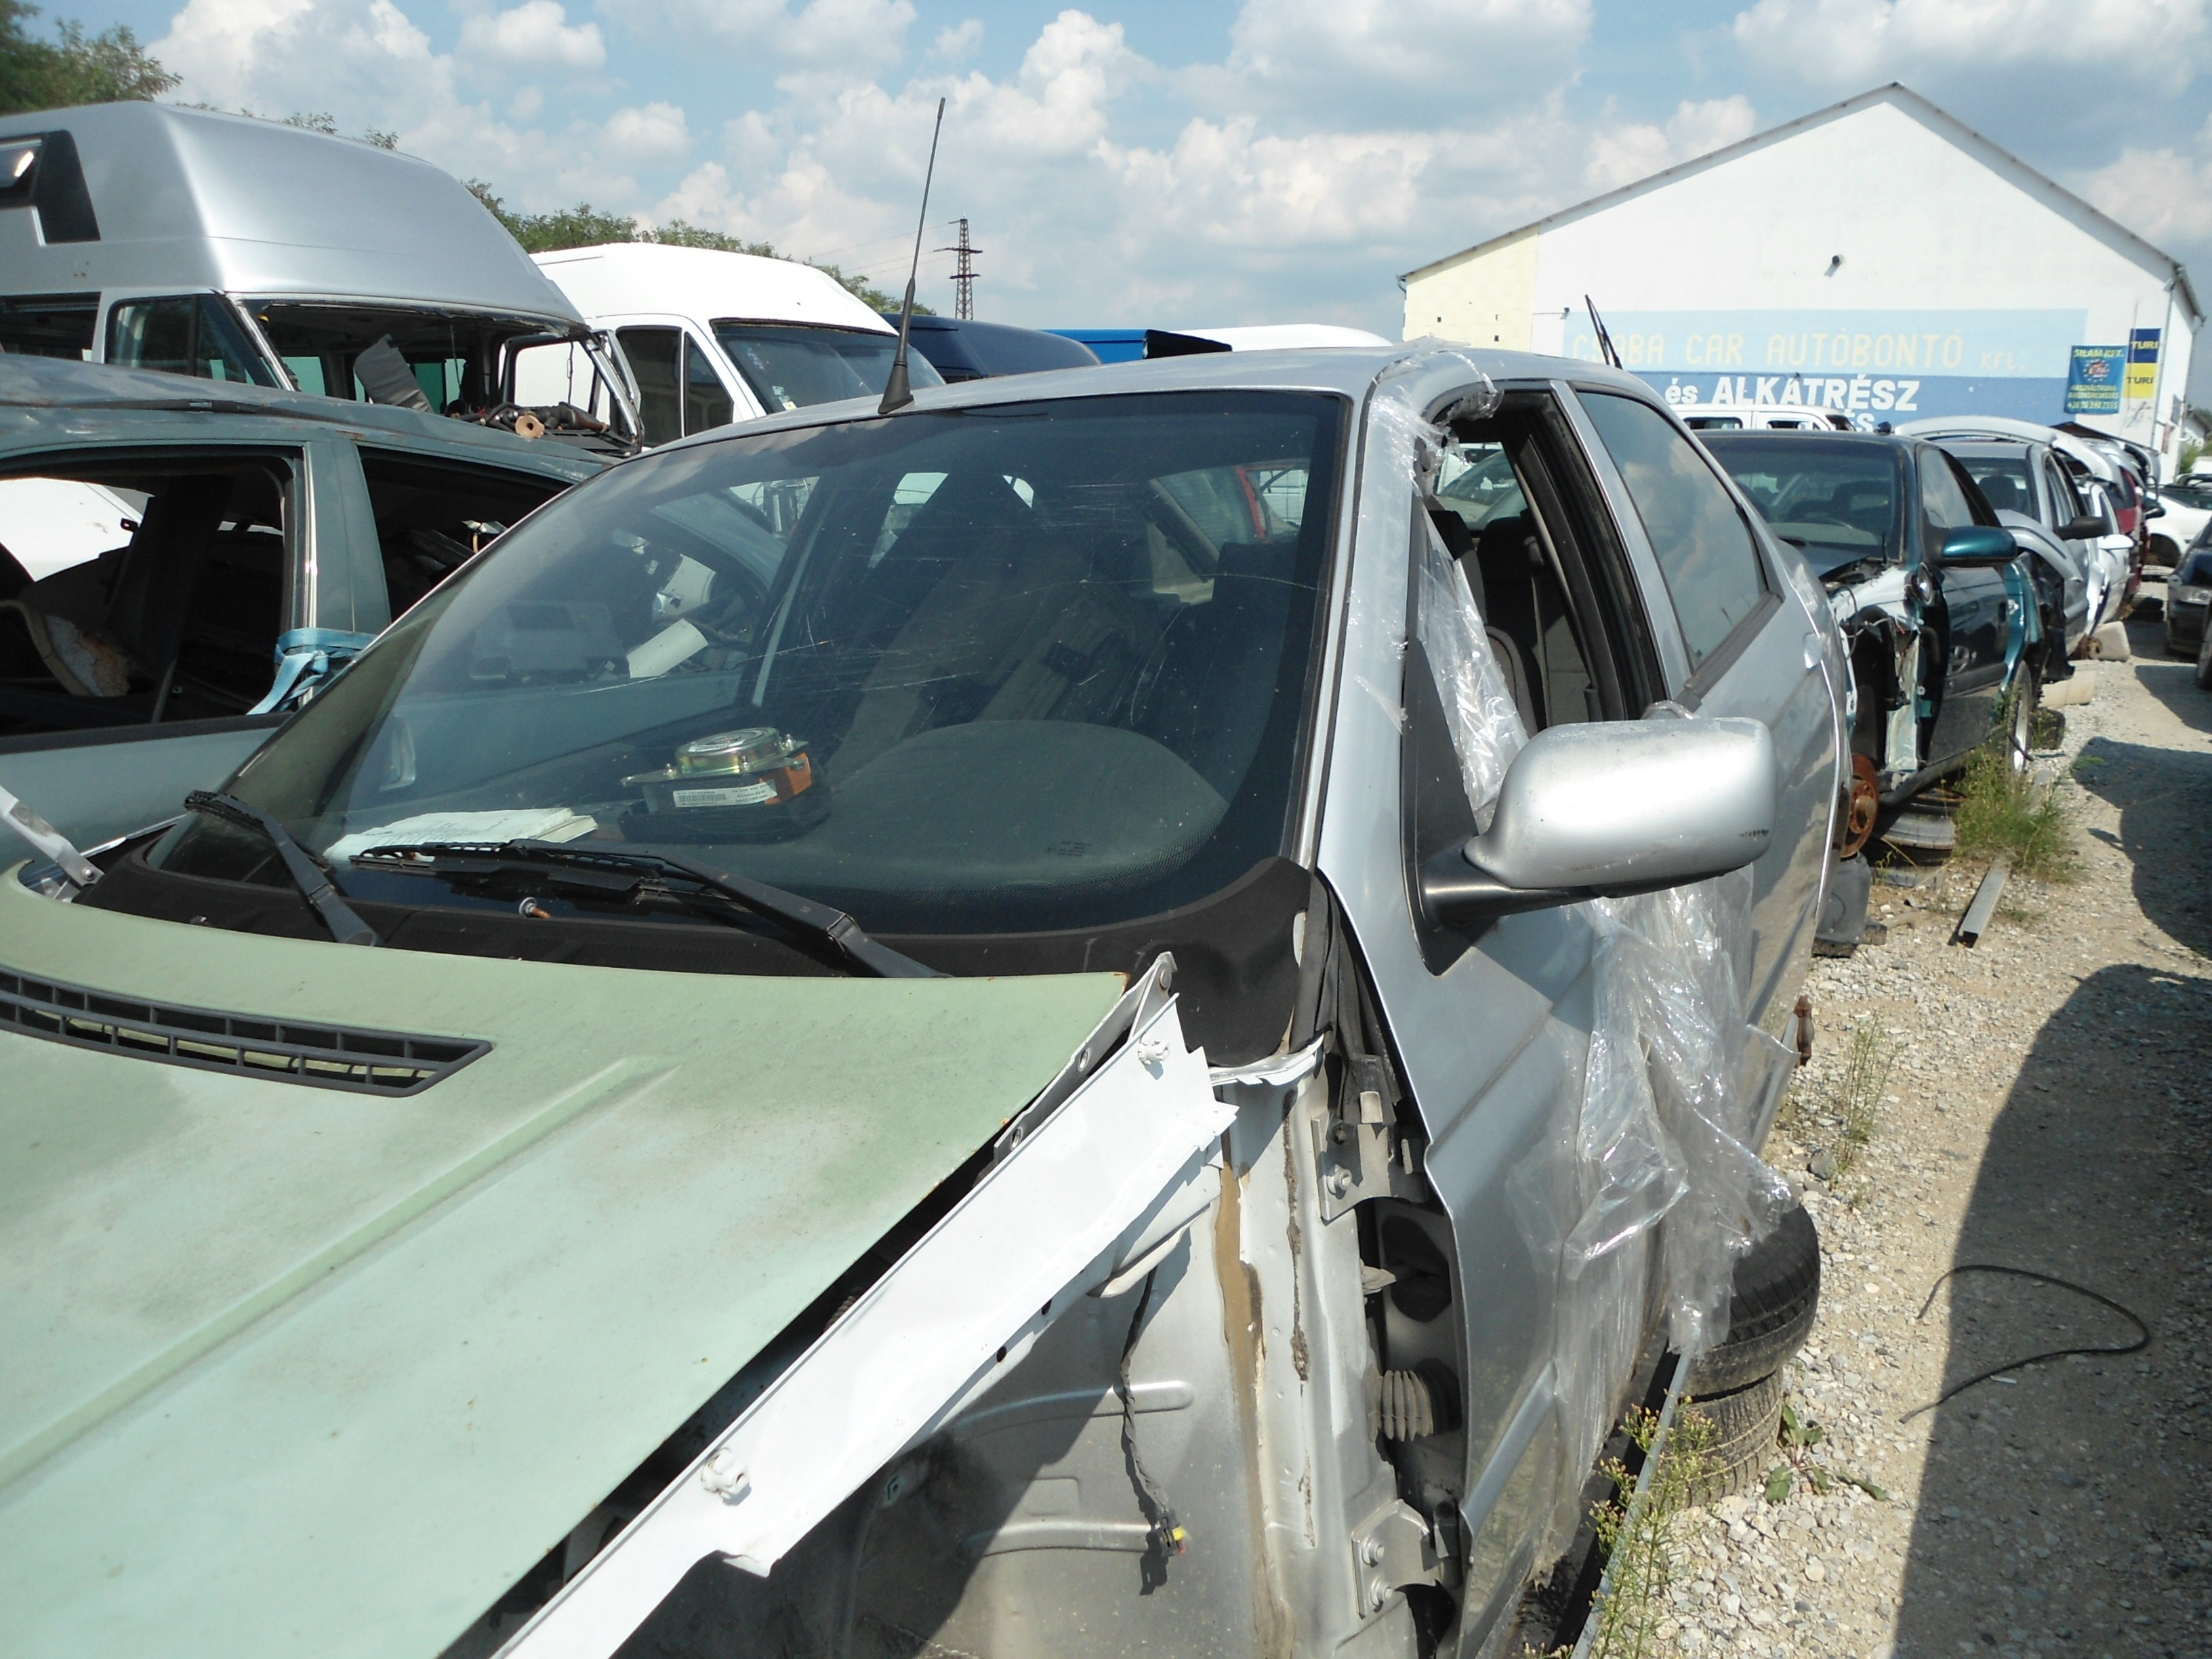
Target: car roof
x=1428, y=368
x=43, y=399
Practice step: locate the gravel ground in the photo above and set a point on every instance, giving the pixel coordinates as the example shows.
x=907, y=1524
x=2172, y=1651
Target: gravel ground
x=2049, y=1110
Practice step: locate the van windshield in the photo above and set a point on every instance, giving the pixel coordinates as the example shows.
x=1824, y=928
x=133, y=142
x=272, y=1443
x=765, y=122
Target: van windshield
x=1010, y=668
x=791, y=365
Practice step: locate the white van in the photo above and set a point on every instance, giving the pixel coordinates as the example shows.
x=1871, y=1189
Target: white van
x=234, y=249
x=711, y=337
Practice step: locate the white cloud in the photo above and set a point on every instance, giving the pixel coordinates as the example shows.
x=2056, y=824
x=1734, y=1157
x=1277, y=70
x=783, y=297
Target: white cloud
x=959, y=42
x=1852, y=44
x=851, y=37
x=2163, y=195
x=1335, y=59
x=1622, y=152
x=657, y=132
x=535, y=35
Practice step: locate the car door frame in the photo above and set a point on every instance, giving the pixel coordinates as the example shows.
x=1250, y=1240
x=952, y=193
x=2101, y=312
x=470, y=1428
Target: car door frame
x=1498, y=1094
x=1789, y=635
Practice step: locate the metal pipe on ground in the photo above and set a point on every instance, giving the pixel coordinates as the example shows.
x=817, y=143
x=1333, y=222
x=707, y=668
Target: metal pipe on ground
x=1976, y=921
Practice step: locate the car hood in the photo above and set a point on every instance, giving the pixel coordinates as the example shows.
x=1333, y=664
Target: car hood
x=299, y=1369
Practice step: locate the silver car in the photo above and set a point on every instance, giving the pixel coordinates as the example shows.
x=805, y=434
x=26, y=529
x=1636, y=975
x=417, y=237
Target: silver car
x=1117, y=1012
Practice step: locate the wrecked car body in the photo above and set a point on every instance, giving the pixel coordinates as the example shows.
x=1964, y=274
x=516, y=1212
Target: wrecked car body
x=1945, y=620
x=1099, y=1012
x=219, y=557
x=232, y=249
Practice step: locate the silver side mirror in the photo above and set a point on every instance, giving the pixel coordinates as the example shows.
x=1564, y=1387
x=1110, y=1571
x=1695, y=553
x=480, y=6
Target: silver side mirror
x=1626, y=806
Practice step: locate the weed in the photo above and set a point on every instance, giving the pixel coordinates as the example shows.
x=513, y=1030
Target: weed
x=1855, y=1105
x=1642, y=1550
x=2006, y=809
x=1799, y=1435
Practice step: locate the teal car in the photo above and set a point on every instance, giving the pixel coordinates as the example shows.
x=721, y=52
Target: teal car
x=181, y=561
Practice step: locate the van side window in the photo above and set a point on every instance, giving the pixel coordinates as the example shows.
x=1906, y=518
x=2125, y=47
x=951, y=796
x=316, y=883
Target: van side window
x=49, y=325
x=656, y=360
x=706, y=400
x=192, y=334
x=1705, y=548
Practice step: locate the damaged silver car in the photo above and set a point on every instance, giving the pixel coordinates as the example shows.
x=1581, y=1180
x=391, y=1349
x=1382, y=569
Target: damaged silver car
x=1118, y=1012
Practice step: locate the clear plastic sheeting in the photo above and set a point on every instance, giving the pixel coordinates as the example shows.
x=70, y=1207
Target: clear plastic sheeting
x=1485, y=726
x=1486, y=732
x=1672, y=1099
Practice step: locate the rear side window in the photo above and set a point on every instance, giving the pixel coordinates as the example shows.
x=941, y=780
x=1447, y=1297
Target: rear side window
x=432, y=516
x=1704, y=547
x=192, y=334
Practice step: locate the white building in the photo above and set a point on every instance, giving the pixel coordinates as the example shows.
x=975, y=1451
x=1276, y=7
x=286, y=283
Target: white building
x=1877, y=257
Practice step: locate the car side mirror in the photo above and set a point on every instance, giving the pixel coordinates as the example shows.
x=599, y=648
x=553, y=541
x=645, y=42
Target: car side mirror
x=1979, y=545
x=2088, y=527
x=2152, y=509
x=1609, y=808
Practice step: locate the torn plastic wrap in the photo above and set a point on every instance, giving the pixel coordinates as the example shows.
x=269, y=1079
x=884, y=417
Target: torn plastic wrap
x=1673, y=1099
x=1485, y=726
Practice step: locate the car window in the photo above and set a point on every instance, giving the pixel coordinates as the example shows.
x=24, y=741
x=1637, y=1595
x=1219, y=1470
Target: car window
x=156, y=591
x=1837, y=502
x=2196, y=571
x=706, y=400
x=192, y=334
x=48, y=325
x=1942, y=503
x=433, y=516
x=2065, y=500
x=965, y=672
x=656, y=357
x=2005, y=481
x=1705, y=548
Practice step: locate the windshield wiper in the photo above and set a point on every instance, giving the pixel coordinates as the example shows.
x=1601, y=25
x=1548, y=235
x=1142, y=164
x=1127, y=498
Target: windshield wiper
x=794, y=910
x=312, y=880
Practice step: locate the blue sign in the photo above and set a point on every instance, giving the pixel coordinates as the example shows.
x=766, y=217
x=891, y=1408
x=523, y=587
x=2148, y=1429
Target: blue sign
x=2143, y=345
x=2093, y=379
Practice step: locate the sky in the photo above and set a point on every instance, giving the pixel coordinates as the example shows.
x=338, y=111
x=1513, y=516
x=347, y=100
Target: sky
x=1188, y=164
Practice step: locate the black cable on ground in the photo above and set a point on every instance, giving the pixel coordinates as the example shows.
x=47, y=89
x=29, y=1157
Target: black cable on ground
x=1166, y=1537
x=2128, y=1314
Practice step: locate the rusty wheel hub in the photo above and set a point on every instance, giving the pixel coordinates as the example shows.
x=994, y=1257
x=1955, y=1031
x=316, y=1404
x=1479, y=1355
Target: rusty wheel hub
x=1866, y=802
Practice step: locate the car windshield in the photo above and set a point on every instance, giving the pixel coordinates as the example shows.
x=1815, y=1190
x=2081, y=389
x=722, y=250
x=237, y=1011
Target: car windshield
x=789, y=366
x=2196, y=571
x=1836, y=499
x=1007, y=668
x=2005, y=479
x=2189, y=492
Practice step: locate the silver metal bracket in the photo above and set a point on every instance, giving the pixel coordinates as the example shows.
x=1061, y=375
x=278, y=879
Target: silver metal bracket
x=1352, y=1154
x=1392, y=1548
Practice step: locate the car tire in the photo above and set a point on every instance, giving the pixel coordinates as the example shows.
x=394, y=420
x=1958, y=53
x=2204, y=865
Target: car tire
x=1771, y=1308
x=1746, y=1424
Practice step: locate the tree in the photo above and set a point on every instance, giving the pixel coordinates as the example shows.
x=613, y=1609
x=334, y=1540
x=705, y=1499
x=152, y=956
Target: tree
x=586, y=226
x=75, y=68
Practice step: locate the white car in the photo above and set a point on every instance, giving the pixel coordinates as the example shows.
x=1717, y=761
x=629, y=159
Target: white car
x=2186, y=507
x=1763, y=418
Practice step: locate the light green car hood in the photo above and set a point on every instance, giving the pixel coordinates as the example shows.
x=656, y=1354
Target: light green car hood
x=286, y=1370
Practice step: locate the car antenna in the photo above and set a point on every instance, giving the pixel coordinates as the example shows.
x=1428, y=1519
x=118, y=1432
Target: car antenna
x=897, y=394
x=1604, y=339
